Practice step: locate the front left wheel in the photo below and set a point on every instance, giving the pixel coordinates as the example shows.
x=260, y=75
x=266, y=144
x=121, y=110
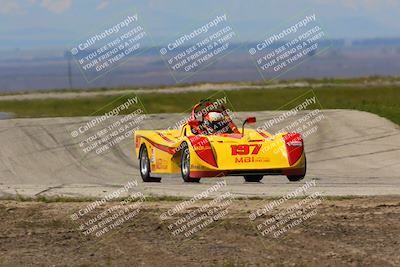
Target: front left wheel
x=185, y=165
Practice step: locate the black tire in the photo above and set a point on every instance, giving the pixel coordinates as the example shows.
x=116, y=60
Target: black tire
x=185, y=165
x=144, y=164
x=254, y=178
x=296, y=178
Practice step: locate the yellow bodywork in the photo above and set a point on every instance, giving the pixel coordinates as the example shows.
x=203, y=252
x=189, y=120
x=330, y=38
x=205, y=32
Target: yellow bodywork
x=262, y=152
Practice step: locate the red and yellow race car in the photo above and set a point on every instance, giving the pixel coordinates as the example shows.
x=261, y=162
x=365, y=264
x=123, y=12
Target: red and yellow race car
x=209, y=144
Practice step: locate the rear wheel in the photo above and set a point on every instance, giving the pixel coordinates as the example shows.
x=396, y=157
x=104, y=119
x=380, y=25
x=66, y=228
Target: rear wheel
x=185, y=165
x=253, y=178
x=144, y=165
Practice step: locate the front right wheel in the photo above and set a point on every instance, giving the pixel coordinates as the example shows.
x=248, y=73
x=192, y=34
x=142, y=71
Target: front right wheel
x=295, y=178
x=185, y=165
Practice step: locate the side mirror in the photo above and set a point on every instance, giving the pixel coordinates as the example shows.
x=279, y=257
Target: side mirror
x=194, y=126
x=249, y=120
x=192, y=123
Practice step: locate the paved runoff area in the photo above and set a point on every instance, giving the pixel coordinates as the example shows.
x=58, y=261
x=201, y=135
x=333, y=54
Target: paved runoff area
x=348, y=153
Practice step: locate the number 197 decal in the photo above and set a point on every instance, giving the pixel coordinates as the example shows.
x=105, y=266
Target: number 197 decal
x=245, y=149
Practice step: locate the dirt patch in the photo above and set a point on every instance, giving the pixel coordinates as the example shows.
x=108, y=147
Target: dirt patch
x=351, y=232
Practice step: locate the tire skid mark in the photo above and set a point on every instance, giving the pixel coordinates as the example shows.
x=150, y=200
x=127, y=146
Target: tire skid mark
x=357, y=155
x=352, y=143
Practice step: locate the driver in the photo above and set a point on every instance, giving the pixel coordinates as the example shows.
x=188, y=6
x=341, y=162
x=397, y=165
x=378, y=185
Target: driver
x=214, y=122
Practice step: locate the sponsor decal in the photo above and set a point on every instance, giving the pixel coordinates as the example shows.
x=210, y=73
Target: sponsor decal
x=161, y=164
x=250, y=159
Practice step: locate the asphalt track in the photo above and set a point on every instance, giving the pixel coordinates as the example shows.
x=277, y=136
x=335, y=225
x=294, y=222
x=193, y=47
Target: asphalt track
x=351, y=153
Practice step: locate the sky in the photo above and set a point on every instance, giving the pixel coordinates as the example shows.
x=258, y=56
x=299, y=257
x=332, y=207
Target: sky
x=26, y=24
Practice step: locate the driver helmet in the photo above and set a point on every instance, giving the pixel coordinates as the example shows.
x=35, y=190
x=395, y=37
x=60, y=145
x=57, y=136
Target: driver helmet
x=215, y=122
x=214, y=116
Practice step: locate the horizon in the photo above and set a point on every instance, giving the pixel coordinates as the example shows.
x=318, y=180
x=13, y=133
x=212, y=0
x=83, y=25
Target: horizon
x=54, y=23
x=49, y=44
